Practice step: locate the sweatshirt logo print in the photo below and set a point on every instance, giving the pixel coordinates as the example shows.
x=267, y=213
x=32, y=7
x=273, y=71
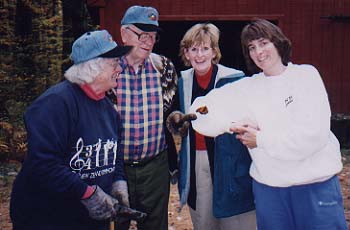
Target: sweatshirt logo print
x=288, y=100
x=89, y=157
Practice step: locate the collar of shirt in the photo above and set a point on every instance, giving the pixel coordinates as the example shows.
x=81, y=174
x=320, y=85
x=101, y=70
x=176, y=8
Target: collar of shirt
x=124, y=64
x=90, y=93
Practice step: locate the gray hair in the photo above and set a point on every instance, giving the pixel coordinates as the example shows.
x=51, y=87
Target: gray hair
x=85, y=72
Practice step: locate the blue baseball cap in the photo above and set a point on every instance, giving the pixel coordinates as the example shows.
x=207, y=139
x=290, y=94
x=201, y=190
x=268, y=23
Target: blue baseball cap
x=96, y=44
x=143, y=17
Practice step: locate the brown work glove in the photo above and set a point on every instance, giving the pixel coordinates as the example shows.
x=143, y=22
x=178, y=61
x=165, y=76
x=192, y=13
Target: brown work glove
x=120, y=191
x=178, y=123
x=100, y=205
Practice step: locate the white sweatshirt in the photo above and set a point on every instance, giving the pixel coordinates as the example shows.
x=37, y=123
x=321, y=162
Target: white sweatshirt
x=294, y=145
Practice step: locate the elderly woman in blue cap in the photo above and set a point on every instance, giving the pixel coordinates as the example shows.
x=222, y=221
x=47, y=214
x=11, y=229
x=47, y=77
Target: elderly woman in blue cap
x=73, y=170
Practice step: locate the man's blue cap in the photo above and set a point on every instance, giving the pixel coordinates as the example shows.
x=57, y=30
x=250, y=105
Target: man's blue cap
x=143, y=17
x=95, y=44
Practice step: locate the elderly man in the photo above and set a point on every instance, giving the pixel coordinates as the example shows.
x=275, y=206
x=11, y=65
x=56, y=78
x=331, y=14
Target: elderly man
x=144, y=99
x=72, y=167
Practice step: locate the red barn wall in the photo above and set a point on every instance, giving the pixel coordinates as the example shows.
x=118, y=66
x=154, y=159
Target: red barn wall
x=322, y=42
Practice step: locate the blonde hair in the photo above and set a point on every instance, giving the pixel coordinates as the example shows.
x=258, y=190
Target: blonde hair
x=198, y=34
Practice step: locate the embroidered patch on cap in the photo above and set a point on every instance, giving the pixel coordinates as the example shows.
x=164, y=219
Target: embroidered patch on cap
x=152, y=16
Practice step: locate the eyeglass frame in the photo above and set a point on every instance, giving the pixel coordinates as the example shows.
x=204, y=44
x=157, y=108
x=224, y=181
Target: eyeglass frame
x=114, y=62
x=203, y=49
x=156, y=39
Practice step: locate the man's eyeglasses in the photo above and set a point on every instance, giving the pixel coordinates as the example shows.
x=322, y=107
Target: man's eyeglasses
x=145, y=36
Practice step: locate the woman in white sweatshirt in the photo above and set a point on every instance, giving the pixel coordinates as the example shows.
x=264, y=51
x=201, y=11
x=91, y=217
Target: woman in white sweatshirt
x=282, y=115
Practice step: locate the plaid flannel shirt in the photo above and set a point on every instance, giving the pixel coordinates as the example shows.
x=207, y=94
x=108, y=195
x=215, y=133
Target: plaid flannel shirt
x=140, y=105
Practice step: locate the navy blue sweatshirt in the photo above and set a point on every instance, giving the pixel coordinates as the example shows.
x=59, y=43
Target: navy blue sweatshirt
x=72, y=143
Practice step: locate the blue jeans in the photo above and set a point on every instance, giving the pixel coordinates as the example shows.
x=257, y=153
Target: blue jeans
x=317, y=206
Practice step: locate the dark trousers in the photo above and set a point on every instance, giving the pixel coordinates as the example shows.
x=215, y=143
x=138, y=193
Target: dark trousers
x=149, y=188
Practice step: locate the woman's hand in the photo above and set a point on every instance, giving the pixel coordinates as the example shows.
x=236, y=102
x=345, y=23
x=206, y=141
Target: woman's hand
x=246, y=132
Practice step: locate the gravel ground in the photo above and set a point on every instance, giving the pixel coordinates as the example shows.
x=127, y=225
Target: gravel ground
x=177, y=221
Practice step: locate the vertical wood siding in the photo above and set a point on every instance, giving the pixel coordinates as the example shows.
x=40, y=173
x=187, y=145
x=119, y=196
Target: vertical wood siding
x=321, y=42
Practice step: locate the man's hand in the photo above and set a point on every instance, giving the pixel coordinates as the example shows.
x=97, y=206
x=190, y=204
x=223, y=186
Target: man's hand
x=178, y=123
x=120, y=191
x=174, y=176
x=100, y=205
